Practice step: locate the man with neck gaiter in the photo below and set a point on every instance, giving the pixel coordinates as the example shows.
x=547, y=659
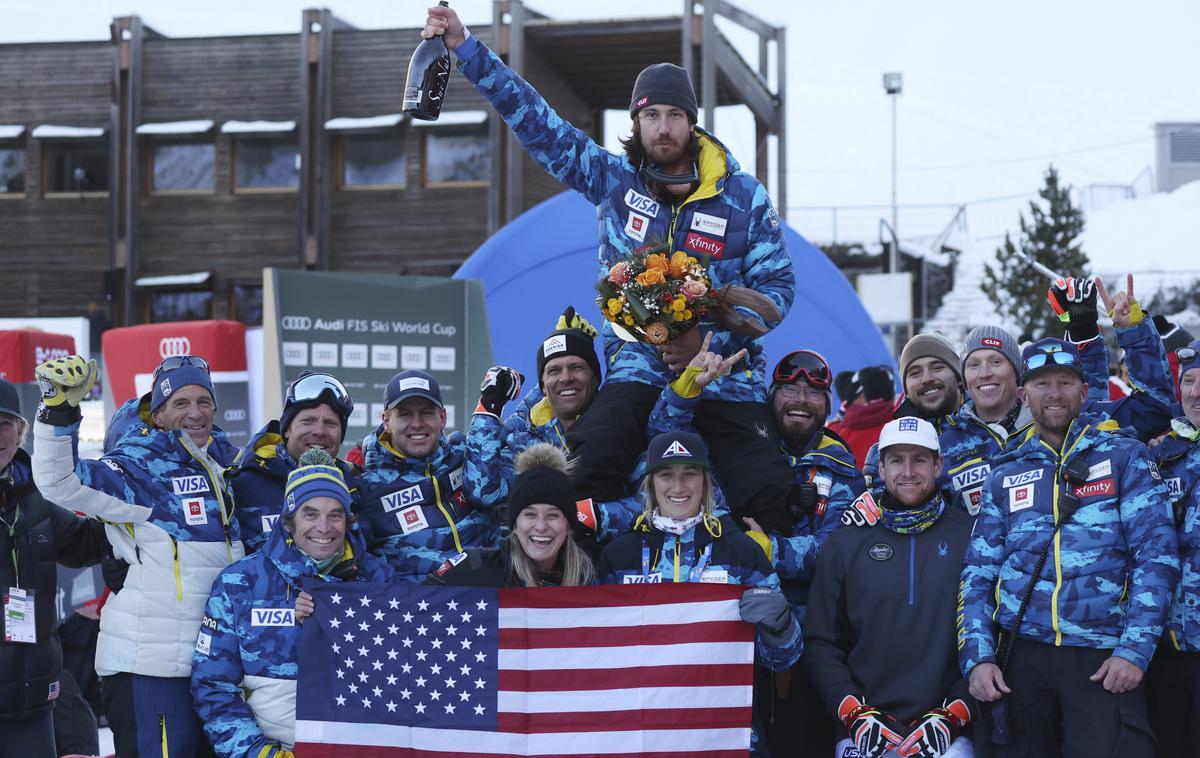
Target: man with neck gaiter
x=879, y=635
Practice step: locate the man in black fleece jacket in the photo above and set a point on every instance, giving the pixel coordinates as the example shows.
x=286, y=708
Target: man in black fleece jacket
x=880, y=633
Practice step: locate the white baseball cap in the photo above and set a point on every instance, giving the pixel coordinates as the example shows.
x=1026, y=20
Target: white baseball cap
x=909, y=430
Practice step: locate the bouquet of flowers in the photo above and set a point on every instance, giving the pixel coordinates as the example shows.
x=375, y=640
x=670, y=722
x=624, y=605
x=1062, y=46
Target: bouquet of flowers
x=654, y=295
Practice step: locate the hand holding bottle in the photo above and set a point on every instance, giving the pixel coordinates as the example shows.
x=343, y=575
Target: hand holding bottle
x=445, y=22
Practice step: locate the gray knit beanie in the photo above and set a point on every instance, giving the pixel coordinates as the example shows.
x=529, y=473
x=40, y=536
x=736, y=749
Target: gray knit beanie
x=930, y=345
x=992, y=338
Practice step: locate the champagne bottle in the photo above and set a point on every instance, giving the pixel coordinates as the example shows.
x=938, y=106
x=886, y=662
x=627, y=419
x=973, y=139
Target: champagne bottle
x=428, y=72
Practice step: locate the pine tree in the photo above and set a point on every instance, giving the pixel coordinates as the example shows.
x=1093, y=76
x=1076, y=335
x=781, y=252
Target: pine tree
x=1049, y=238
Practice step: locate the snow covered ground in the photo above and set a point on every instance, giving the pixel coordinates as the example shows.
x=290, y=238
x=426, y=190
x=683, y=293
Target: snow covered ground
x=1156, y=238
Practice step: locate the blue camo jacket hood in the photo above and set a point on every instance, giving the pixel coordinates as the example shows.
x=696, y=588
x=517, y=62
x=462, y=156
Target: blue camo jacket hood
x=416, y=511
x=1109, y=573
x=729, y=217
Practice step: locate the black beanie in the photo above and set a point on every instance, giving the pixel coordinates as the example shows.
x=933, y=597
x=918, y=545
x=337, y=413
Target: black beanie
x=542, y=479
x=567, y=342
x=847, y=385
x=664, y=84
x=877, y=383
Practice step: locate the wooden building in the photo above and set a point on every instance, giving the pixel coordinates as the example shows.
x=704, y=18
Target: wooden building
x=158, y=175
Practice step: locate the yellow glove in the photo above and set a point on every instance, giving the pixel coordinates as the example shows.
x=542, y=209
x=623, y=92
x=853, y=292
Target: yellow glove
x=572, y=320
x=64, y=382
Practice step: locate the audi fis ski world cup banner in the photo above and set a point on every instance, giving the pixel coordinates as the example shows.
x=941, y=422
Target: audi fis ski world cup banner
x=363, y=328
x=132, y=353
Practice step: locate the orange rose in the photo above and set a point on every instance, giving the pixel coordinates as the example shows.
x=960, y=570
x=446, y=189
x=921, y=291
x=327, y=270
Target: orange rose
x=657, y=262
x=650, y=277
x=679, y=263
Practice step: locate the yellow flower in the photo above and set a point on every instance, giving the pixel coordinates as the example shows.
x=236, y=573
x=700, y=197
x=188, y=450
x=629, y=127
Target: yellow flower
x=614, y=306
x=688, y=313
x=628, y=320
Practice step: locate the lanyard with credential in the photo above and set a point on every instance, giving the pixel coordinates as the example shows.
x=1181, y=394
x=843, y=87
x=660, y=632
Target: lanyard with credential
x=698, y=570
x=12, y=538
x=645, y=560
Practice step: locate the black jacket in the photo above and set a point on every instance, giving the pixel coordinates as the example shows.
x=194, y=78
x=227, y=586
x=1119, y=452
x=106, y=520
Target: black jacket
x=485, y=567
x=43, y=535
x=881, y=617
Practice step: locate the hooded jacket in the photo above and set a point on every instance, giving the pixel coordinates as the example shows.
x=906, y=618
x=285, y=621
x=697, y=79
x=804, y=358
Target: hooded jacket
x=714, y=551
x=258, y=478
x=1110, y=569
x=729, y=218
x=167, y=514
x=245, y=660
x=880, y=620
x=1178, y=460
x=968, y=446
x=416, y=511
x=42, y=536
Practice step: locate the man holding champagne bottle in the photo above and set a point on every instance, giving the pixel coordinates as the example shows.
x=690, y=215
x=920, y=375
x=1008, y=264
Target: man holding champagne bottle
x=674, y=184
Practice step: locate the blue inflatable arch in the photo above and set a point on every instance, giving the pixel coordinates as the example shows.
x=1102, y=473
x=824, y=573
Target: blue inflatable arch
x=545, y=260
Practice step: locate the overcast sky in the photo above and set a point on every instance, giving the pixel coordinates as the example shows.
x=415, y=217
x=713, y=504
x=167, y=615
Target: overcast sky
x=993, y=92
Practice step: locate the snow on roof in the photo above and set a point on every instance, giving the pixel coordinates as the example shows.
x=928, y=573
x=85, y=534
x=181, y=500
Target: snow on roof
x=174, y=280
x=456, y=118
x=176, y=127
x=11, y=131
x=52, y=131
x=1154, y=233
x=346, y=123
x=257, y=127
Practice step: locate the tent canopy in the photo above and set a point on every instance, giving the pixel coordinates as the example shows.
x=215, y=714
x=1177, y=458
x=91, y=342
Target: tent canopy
x=545, y=260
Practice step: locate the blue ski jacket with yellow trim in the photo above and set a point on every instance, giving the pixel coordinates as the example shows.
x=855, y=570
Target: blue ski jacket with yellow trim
x=729, y=218
x=1111, y=568
x=1178, y=460
x=416, y=511
x=245, y=663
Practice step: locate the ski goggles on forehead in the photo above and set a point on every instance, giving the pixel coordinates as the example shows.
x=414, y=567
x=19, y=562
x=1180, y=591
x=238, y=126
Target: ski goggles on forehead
x=1053, y=358
x=803, y=363
x=179, y=361
x=1186, y=356
x=315, y=386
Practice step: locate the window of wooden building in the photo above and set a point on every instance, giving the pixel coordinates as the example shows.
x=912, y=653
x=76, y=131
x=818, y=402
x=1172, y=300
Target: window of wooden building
x=182, y=166
x=12, y=170
x=373, y=160
x=76, y=166
x=246, y=303
x=266, y=164
x=457, y=156
x=180, y=305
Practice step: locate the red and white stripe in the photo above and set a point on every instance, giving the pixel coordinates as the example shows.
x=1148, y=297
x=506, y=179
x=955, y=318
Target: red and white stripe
x=634, y=670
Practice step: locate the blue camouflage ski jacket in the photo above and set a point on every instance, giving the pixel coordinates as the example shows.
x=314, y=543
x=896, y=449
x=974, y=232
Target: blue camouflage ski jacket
x=246, y=654
x=416, y=511
x=258, y=478
x=1111, y=568
x=717, y=552
x=1178, y=460
x=729, y=218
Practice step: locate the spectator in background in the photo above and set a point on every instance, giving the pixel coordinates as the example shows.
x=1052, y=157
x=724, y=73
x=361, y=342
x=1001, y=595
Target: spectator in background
x=37, y=535
x=1174, y=337
x=871, y=406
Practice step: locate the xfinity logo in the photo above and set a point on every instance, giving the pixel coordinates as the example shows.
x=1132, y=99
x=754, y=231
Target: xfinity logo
x=297, y=323
x=169, y=346
x=272, y=617
x=698, y=243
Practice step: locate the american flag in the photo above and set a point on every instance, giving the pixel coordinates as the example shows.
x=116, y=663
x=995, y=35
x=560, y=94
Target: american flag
x=620, y=670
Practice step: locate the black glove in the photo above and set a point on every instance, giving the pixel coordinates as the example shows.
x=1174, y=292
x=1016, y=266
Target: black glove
x=872, y=731
x=770, y=613
x=500, y=384
x=1074, y=302
x=932, y=734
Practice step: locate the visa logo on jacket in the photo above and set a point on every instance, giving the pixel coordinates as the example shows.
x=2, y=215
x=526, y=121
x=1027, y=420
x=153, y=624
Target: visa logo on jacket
x=401, y=498
x=189, y=485
x=272, y=617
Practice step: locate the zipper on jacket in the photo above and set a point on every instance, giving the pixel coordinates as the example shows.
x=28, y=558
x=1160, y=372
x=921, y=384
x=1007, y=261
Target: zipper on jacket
x=912, y=566
x=678, y=547
x=437, y=494
x=213, y=480
x=1059, y=460
x=178, y=578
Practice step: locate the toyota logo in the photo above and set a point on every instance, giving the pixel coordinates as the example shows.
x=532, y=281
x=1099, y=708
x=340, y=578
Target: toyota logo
x=169, y=346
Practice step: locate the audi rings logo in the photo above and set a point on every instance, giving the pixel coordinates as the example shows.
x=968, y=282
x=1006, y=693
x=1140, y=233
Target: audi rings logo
x=296, y=323
x=170, y=346
x=235, y=414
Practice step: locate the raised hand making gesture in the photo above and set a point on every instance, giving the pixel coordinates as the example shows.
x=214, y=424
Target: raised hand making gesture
x=1122, y=307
